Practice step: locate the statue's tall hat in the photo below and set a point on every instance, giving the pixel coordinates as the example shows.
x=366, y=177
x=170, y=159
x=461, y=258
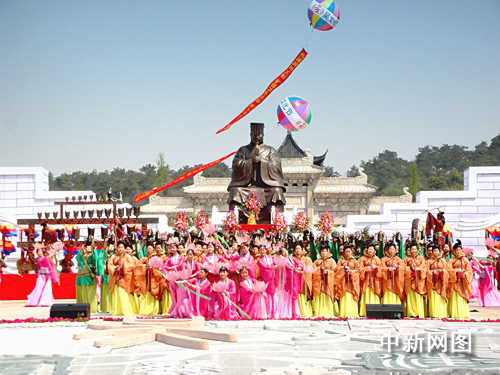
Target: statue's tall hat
x=257, y=126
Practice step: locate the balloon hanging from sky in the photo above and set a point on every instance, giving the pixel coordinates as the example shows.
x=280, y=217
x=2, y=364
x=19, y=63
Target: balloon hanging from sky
x=294, y=113
x=323, y=14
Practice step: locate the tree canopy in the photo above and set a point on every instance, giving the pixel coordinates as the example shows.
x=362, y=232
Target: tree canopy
x=434, y=168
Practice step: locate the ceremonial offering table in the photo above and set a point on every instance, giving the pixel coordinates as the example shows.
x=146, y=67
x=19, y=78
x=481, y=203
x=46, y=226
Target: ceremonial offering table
x=15, y=287
x=256, y=227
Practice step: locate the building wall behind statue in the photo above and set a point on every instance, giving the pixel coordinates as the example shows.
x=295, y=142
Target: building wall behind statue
x=468, y=211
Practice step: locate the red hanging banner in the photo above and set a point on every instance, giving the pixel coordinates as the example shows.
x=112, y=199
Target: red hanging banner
x=272, y=86
x=185, y=176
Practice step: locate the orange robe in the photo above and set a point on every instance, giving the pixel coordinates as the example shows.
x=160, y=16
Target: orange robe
x=147, y=280
x=370, y=278
x=347, y=282
x=307, y=262
x=121, y=272
x=322, y=281
x=461, y=282
x=415, y=279
x=393, y=281
x=437, y=281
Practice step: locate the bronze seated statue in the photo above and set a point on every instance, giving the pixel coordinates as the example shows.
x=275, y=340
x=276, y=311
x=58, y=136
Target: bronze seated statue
x=257, y=167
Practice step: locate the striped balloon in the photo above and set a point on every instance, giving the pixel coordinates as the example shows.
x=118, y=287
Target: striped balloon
x=294, y=113
x=323, y=14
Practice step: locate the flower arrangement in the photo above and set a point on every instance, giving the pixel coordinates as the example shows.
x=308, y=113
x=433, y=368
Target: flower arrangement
x=230, y=223
x=202, y=220
x=301, y=222
x=252, y=204
x=325, y=224
x=213, y=268
x=219, y=287
x=155, y=262
x=172, y=276
x=181, y=222
x=260, y=287
x=279, y=222
x=209, y=229
x=280, y=261
x=234, y=266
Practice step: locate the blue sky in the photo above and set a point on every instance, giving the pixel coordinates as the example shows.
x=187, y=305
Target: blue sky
x=94, y=85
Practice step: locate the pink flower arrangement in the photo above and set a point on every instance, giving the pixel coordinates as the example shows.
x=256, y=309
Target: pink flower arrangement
x=172, y=275
x=209, y=229
x=260, y=287
x=219, y=287
x=301, y=222
x=155, y=262
x=234, y=266
x=325, y=224
x=279, y=222
x=213, y=268
x=202, y=220
x=280, y=261
x=230, y=223
x=181, y=222
x=252, y=203
x=184, y=274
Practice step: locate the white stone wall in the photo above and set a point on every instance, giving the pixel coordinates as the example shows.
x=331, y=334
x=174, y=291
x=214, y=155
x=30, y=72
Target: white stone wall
x=24, y=191
x=468, y=212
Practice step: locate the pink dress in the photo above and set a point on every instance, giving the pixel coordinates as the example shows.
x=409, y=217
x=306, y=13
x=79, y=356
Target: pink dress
x=173, y=263
x=251, y=302
x=476, y=270
x=201, y=305
x=268, y=274
x=42, y=293
x=488, y=293
x=223, y=309
x=293, y=287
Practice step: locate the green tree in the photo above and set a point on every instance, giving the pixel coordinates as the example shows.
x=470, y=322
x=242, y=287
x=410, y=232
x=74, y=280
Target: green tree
x=162, y=171
x=414, y=185
x=330, y=172
x=388, y=172
x=353, y=171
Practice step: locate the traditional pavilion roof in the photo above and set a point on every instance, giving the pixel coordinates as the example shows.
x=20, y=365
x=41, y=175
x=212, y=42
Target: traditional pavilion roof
x=318, y=160
x=290, y=149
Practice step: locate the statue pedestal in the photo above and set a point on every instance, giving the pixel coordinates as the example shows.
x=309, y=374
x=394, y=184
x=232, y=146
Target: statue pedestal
x=253, y=228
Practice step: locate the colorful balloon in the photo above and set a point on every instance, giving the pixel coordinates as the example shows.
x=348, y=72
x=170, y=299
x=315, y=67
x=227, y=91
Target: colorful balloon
x=294, y=113
x=323, y=14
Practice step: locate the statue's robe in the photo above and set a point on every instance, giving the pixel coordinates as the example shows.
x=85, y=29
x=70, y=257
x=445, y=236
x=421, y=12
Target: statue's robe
x=264, y=177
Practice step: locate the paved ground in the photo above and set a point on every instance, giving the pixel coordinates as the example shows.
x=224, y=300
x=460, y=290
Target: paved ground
x=264, y=347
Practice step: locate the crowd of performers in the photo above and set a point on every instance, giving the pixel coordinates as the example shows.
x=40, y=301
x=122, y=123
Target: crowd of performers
x=259, y=277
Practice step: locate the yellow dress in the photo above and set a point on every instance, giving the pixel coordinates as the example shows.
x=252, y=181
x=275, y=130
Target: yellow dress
x=367, y=297
x=124, y=303
x=458, y=308
x=166, y=302
x=348, y=307
x=148, y=305
x=438, y=307
x=305, y=306
x=87, y=294
x=105, y=298
x=414, y=305
x=323, y=306
x=390, y=298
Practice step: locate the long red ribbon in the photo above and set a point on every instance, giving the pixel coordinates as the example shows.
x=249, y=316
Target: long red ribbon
x=191, y=173
x=272, y=86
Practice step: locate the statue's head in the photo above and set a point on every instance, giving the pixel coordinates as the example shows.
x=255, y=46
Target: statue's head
x=257, y=133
